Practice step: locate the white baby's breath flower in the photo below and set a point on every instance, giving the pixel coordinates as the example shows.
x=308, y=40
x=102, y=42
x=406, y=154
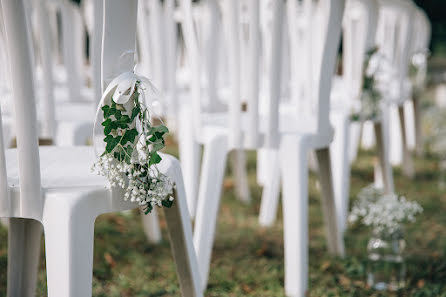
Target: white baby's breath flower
x=383, y=212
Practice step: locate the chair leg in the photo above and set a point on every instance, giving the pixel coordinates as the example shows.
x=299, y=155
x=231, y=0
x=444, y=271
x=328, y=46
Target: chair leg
x=383, y=156
x=261, y=166
x=418, y=125
x=239, y=167
x=271, y=190
x=341, y=168
x=367, y=137
x=151, y=226
x=407, y=164
x=212, y=174
x=23, y=256
x=355, y=137
x=179, y=228
x=190, y=154
x=69, y=253
x=334, y=236
x=294, y=175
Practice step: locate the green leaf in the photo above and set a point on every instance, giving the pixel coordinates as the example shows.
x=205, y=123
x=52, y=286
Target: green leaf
x=129, y=136
x=167, y=203
x=106, y=122
x=105, y=110
x=108, y=111
x=154, y=158
x=158, y=130
x=148, y=209
x=158, y=146
x=125, y=119
x=118, y=114
x=112, y=142
x=108, y=138
x=128, y=155
x=157, y=133
x=135, y=112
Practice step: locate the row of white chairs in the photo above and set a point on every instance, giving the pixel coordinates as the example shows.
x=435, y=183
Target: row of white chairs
x=237, y=76
x=286, y=92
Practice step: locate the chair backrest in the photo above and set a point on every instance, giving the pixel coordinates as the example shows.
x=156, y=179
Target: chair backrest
x=240, y=24
x=233, y=29
x=43, y=36
x=157, y=42
x=193, y=57
x=5, y=83
x=394, y=34
x=319, y=61
x=421, y=35
x=73, y=47
x=358, y=37
x=20, y=63
x=314, y=31
x=422, y=31
x=152, y=40
x=96, y=49
x=118, y=39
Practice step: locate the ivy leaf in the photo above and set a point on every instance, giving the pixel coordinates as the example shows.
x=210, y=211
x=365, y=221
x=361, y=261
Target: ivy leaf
x=125, y=119
x=157, y=133
x=129, y=152
x=106, y=122
x=106, y=110
x=167, y=203
x=108, y=126
x=148, y=209
x=118, y=114
x=154, y=158
x=158, y=146
x=112, y=142
x=129, y=136
x=135, y=112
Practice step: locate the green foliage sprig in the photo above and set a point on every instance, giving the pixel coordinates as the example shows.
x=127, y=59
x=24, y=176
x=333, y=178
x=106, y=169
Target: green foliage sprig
x=132, y=145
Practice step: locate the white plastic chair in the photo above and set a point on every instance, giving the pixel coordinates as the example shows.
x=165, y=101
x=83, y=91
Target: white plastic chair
x=360, y=21
x=54, y=186
x=157, y=43
x=5, y=88
x=71, y=76
x=66, y=104
x=394, y=33
x=420, y=50
x=209, y=89
x=288, y=137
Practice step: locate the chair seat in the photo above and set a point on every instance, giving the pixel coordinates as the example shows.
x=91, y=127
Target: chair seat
x=60, y=167
x=66, y=174
x=289, y=123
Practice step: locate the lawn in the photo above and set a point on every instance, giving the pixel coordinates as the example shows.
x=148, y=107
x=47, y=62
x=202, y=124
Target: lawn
x=248, y=260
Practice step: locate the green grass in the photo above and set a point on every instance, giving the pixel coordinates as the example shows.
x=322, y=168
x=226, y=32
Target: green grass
x=248, y=260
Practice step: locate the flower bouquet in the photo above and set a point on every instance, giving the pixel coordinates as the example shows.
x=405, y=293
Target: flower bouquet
x=386, y=215
x=127, y=143
x=377, y=76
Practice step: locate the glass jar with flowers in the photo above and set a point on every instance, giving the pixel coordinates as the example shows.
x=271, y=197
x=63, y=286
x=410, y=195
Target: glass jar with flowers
x=386, y=215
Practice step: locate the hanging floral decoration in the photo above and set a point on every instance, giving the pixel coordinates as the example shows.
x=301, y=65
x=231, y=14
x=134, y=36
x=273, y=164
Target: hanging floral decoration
x=377, y=75
x=418, y=69
x=129, y=143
